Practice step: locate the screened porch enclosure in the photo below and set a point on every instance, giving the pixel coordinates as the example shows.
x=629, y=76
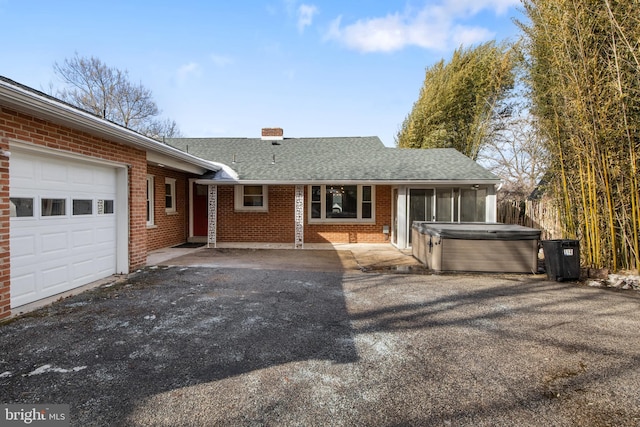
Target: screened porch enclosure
x=446, y=204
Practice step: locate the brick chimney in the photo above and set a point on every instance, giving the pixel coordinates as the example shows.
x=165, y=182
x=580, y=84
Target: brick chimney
x=272, y=134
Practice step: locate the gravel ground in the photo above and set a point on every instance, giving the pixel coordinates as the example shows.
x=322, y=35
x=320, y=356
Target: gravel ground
x=193, y=346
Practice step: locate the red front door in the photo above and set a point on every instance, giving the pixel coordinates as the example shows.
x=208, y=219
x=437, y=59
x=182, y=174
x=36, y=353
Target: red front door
x=200, y=210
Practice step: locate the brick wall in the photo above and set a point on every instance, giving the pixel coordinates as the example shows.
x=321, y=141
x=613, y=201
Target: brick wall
x=278, y=226
x=170, y=228
x=20, y=127
x=275, y=226
x=5, y=268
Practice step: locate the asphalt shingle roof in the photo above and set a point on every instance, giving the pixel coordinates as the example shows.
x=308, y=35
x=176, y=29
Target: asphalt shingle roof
x=332, y=159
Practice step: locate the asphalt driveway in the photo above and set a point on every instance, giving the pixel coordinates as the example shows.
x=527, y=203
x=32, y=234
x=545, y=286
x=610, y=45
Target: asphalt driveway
x=177, y=346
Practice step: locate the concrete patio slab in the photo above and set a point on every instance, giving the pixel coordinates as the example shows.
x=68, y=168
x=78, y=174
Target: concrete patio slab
x=314, y=257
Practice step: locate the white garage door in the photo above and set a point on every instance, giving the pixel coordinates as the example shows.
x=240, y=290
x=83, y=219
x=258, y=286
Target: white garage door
x=63, y=225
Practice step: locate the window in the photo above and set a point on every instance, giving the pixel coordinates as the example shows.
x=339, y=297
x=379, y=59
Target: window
x=53, y=207
x=82, y=207
x=105, y=207
x=150, y=204
x=367, y=202
x=473, y=204
x=251, y=198
x=170, y=195
x=348, y=203
x=20, y=207
x=444, y=204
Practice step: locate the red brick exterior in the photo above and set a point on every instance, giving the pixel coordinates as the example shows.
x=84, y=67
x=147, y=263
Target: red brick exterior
x=278, y=226
x=353, y=233
x=170, y=229
x=5, y=266
x=20, y=127
x=275, y=226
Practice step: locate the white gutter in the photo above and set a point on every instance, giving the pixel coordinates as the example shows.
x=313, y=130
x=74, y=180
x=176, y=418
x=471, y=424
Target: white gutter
x=346, y=182
x=25, y=100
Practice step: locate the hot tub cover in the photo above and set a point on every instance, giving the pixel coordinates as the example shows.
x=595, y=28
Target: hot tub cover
x=477, y=231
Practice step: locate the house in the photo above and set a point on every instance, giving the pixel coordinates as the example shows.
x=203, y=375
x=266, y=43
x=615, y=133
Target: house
x=293, y=191
x=82, y=198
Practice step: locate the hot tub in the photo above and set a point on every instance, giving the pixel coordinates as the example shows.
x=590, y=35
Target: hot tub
x=483, y=247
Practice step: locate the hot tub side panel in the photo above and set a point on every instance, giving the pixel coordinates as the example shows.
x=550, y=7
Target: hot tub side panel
x=505, y=256
x=426, y=249
x=418, y=243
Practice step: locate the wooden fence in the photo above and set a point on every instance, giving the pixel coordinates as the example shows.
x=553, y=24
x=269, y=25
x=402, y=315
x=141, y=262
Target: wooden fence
x=540, y=214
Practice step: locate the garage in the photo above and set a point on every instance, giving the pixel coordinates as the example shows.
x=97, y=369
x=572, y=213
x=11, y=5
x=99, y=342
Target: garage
x=64, y=225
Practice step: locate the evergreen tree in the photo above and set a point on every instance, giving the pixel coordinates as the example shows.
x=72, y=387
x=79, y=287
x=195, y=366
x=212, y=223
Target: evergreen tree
x=584, y=73
x=461, y=100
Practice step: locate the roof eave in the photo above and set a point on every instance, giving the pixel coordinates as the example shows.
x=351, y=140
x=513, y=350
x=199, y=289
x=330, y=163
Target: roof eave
x=349, y=181
x=30, y=102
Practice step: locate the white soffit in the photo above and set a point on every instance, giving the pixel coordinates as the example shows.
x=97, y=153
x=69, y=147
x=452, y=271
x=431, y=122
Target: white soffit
x=42, y=106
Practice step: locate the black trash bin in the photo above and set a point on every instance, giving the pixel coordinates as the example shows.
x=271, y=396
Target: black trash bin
x=562, y=259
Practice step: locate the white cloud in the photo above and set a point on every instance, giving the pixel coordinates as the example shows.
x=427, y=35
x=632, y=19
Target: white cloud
x=469, y=35
x=500, y=7
x=290, y=6
x=221, y=60
x=187, y=71
x=435, y=26
x=387, y=34
x=305, y=16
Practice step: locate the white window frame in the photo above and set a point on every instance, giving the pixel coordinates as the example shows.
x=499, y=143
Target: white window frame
x=239, y=199
x=72, y=207
x=35, y=212
x=100, y=208
x=171, y=182
x=323, y=197
x=150, y=201
x=54, y=217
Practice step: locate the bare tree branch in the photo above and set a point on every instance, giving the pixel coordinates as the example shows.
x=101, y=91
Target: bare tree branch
x=108, y=93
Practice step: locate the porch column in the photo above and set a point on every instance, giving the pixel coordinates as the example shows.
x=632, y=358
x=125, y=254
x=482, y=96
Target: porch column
x=401, y=220
x=212, y=215
x=299, y=216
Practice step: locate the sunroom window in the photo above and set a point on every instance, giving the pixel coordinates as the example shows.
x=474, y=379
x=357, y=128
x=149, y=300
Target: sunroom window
x=451, y=204
x=350, y=203
x=473, y=204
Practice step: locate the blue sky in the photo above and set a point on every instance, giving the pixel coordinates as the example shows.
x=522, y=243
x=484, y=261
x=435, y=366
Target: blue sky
x=225, y=68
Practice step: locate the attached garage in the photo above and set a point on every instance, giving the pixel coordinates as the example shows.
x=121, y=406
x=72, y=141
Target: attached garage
x=67, y=225
x=72, y=196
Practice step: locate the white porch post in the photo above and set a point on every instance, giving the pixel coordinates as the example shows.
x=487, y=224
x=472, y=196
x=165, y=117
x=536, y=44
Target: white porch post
x=491, y=205
x=403, y=242
x=299, y=217
x=212, y=215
